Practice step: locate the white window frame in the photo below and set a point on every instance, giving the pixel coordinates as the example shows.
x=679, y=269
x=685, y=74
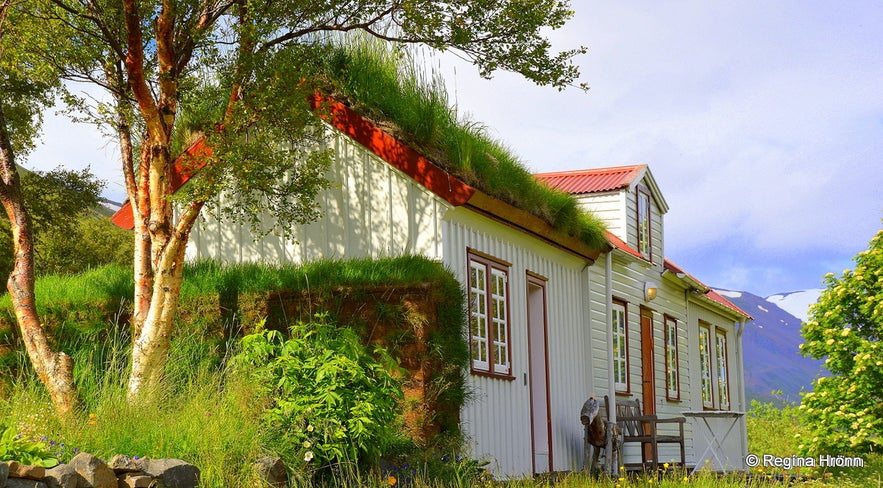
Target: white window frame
x=722, y=373
x=489, y=316
x=705, y=376
x=672, y=366
x=644, y=227
x=620, y=332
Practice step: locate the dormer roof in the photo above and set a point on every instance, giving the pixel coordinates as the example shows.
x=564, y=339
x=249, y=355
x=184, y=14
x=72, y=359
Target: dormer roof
x=593, y=180
x=598, y=180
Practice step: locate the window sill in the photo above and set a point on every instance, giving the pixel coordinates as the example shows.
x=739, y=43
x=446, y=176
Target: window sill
x=487, y=374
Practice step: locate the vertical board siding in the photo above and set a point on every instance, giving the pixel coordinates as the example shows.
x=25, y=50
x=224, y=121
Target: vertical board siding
x=497, y=420
x=371, y=210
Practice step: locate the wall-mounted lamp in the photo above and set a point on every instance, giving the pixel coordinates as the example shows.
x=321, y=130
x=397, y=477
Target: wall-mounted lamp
x=650, y=290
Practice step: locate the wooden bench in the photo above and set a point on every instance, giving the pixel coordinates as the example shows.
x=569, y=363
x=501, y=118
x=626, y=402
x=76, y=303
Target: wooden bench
x=634, y=426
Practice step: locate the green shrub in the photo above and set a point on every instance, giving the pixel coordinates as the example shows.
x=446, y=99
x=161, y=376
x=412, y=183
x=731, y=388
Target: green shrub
x=14, y=447
x=330, y=400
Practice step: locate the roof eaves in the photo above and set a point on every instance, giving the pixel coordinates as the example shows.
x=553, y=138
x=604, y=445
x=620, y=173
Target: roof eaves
x=703, y=290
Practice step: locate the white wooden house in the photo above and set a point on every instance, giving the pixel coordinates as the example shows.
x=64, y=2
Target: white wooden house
x=677, y=344
x=538, y=298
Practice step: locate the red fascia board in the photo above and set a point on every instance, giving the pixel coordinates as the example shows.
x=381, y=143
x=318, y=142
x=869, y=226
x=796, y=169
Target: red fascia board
x=124, y=218
x=396, y=153
x=186, y=165
x=346, y=120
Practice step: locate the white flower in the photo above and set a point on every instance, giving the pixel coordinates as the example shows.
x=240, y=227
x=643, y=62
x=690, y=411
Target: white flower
x=308, y=456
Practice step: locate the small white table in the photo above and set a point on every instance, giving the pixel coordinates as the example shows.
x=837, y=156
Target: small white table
x=715, y=442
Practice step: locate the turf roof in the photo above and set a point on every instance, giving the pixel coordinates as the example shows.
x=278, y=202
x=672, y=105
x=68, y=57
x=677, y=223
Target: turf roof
x=387, y=87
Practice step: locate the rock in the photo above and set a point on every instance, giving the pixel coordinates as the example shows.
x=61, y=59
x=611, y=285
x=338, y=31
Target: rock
x=271, y=470
x=4, y=473
x=95, y=473
x=27, y=471
x=121, y=463
x=171, y=473
x=134, y=480
x=63, y=476
x=24, y=483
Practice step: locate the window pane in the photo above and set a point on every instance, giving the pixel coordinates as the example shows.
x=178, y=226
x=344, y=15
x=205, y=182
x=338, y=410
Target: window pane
x=723, y=388
x=671, y=358
x=501, y=337
x=478, y=324
x=620, y=352
x=705, y=367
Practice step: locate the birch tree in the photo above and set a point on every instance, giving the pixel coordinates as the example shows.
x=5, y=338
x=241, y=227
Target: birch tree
x=239, y=72
x=26, y=88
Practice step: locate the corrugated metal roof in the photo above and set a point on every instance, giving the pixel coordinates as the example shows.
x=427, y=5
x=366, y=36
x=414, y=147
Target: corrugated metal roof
x=592, y=180
x=710, y=294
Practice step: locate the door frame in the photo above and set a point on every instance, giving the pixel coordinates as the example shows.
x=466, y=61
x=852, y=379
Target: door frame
x=648, y=362
x=538, y=357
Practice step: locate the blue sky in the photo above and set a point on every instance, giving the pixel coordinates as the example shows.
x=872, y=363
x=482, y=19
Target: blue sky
x=761, y=121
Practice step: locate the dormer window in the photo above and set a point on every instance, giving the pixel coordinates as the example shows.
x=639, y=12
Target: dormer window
x=644, y=223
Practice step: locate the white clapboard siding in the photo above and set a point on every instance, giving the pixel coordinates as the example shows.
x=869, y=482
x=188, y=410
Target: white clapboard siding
x=629, y=275
x=497, y=419
x=610, y=207
x=736, y=446
x=371, y=210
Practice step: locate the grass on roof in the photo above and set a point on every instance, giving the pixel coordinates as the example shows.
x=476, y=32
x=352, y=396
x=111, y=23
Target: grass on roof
x=385, y=84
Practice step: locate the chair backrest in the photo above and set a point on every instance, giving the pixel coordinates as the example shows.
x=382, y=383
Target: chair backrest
x=626, y=412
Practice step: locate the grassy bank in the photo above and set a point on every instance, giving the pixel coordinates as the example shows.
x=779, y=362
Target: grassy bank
x=216, y=419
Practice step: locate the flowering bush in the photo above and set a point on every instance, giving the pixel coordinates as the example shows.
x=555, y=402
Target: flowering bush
x=845, y=328
x=331, y=400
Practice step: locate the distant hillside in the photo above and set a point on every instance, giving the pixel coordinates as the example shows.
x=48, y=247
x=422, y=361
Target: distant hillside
x=771, y=343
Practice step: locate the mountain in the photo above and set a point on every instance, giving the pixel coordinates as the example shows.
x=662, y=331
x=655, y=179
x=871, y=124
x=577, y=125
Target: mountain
x=772, y=344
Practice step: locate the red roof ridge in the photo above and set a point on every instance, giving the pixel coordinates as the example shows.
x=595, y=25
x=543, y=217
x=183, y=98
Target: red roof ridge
x=605, y=169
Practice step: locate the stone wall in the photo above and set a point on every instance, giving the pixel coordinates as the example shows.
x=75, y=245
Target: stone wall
x=86, y=470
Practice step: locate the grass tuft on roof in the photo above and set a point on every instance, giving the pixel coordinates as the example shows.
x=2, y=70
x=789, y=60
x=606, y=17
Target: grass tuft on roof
x=387, y=86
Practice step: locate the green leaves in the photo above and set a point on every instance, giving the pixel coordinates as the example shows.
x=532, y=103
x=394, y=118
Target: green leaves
x=15, y=448
x=845, y=328
x=332, y=399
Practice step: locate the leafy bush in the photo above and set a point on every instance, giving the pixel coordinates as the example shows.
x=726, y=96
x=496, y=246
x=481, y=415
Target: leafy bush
x=330, y=400
x=13, y=447
x=845, y=328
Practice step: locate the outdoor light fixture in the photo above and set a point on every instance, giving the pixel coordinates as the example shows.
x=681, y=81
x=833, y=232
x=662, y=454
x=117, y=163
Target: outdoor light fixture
x=650, y=290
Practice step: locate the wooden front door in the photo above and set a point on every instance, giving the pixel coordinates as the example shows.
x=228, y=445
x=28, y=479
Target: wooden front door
x=540, y=412
x=648, y=377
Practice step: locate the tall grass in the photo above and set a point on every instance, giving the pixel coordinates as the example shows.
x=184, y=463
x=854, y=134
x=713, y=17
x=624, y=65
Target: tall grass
x=214, y=420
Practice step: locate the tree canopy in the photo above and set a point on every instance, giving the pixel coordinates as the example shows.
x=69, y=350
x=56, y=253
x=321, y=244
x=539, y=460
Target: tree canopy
x=238, y=71
x=845, y=328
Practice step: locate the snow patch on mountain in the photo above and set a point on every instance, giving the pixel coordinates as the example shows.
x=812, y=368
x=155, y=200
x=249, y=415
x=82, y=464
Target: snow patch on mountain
x=796, y=303
x=729, y=294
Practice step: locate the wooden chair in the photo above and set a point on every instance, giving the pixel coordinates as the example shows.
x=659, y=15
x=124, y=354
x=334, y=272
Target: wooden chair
x=634, y=426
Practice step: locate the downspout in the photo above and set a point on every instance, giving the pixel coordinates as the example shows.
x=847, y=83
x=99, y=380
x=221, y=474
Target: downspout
x=740, y=329
x=612, y=467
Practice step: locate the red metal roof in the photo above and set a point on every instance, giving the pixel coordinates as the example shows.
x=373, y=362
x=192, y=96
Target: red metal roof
x=592, y=180
x=711, y=294
x=620, y=244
